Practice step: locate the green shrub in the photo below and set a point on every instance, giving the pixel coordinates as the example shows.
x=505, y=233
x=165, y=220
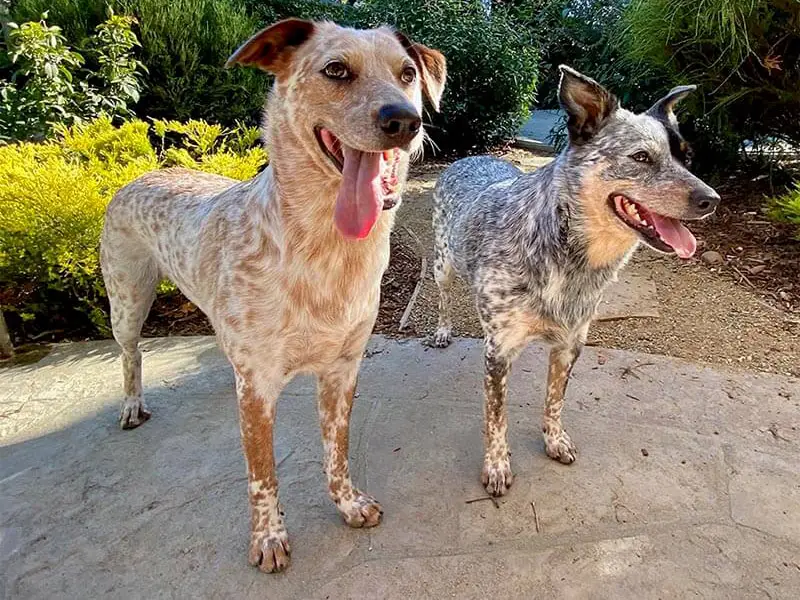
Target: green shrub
x=45, y=87
x=745, y=56
x=586, y=35
x=53, y=196
x=185, y=44
x=491, y=62
x=786, y=208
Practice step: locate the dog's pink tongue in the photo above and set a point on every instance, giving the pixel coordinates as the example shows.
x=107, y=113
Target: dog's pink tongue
x=675, y=234
x=358, y=204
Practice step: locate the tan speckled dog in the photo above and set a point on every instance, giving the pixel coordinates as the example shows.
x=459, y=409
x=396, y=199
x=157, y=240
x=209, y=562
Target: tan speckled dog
x=287, y=266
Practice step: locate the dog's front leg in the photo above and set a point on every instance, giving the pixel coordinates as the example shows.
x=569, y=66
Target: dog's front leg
x=336, y=388
x=558, y=444
x=497, y=476
x=258, y=396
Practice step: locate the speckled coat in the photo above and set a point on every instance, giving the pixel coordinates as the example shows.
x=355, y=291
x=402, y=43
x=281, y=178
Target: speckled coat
x=538, y=249
x=284, y=290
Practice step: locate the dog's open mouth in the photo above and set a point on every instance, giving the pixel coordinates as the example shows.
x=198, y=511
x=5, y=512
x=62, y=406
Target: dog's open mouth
x=664, y=234
x=370, y=184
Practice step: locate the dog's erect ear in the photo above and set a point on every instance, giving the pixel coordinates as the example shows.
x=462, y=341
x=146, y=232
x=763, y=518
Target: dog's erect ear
x=587, y=103
x=270, y=48
x=663, y=109
x=432, y=66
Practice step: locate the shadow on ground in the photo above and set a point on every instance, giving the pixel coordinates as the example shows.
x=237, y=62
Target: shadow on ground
x=686, y=483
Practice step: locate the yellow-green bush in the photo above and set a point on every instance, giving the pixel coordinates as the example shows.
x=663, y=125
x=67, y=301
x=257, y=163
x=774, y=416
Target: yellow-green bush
x=53, y=196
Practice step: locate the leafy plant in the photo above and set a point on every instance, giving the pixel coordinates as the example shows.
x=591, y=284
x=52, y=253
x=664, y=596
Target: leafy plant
x=52, y=199
x=118, y=70
x=46, y=87
x=184, y=45
x=40, y=93
x=786, y=208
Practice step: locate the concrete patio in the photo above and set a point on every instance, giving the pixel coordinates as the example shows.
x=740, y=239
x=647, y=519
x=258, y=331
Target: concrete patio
x=687, y=483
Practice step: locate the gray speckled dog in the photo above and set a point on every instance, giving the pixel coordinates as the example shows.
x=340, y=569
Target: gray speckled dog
x=538, y=249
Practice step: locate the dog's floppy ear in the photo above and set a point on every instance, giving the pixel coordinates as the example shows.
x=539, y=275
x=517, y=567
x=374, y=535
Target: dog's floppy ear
x=432, y=67
x=270, y=48
x=663, y=110
x=587, y=103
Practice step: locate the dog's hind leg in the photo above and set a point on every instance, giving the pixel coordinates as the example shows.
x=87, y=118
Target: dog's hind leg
x=557, y=442
x=443, y=274
x=336, y=388
x=131, y=286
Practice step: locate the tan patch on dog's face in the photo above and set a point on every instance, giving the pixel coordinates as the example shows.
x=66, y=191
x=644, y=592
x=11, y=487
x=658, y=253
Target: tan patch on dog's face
x=608, y=239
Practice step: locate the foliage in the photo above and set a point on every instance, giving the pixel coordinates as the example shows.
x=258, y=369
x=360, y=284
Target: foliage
x=40, y=92
x=185, y=44
x=113, y=47
x=53, y=196
x=586, y=35
x=786, y=208
x=492, y=62
x=744, y=55
x=46, y=87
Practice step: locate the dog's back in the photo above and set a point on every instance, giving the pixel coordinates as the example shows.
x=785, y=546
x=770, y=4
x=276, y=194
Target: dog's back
x=467, y=205
x=158, y=223
x=469, y=177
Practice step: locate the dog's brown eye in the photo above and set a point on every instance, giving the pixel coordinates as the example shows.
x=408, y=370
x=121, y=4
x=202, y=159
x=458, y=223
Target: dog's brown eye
x=336, y=70
x=642, y=157
x=408, y=75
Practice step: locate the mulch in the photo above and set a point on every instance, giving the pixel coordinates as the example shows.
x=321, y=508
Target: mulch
x=757, y=252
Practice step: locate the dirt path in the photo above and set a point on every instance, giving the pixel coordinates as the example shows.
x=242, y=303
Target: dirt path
x=706, y=315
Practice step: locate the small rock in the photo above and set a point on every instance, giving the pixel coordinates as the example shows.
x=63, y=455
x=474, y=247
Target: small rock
x=645, y=452
x=601, y=359
x=757, y=269
x=711, y=257
x=783, y=295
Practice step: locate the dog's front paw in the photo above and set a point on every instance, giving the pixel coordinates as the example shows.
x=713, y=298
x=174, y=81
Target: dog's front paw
x=362, y=511
x=269, y=551
x=134, y=413
x=560, y=447
x=441, y=338
x=497, y=477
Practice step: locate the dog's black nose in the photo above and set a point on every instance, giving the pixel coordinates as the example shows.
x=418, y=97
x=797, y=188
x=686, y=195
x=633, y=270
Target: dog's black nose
x=704, y=201
x=401, y=123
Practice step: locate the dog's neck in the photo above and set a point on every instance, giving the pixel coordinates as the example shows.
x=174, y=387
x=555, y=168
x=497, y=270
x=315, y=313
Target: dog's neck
x=306, y=196
x=586, y=241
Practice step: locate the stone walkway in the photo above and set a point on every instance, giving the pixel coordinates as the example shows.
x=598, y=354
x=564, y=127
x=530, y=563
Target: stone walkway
x=687, y=483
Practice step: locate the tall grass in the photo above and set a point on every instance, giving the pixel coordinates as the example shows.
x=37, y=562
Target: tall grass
x=745, y=55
